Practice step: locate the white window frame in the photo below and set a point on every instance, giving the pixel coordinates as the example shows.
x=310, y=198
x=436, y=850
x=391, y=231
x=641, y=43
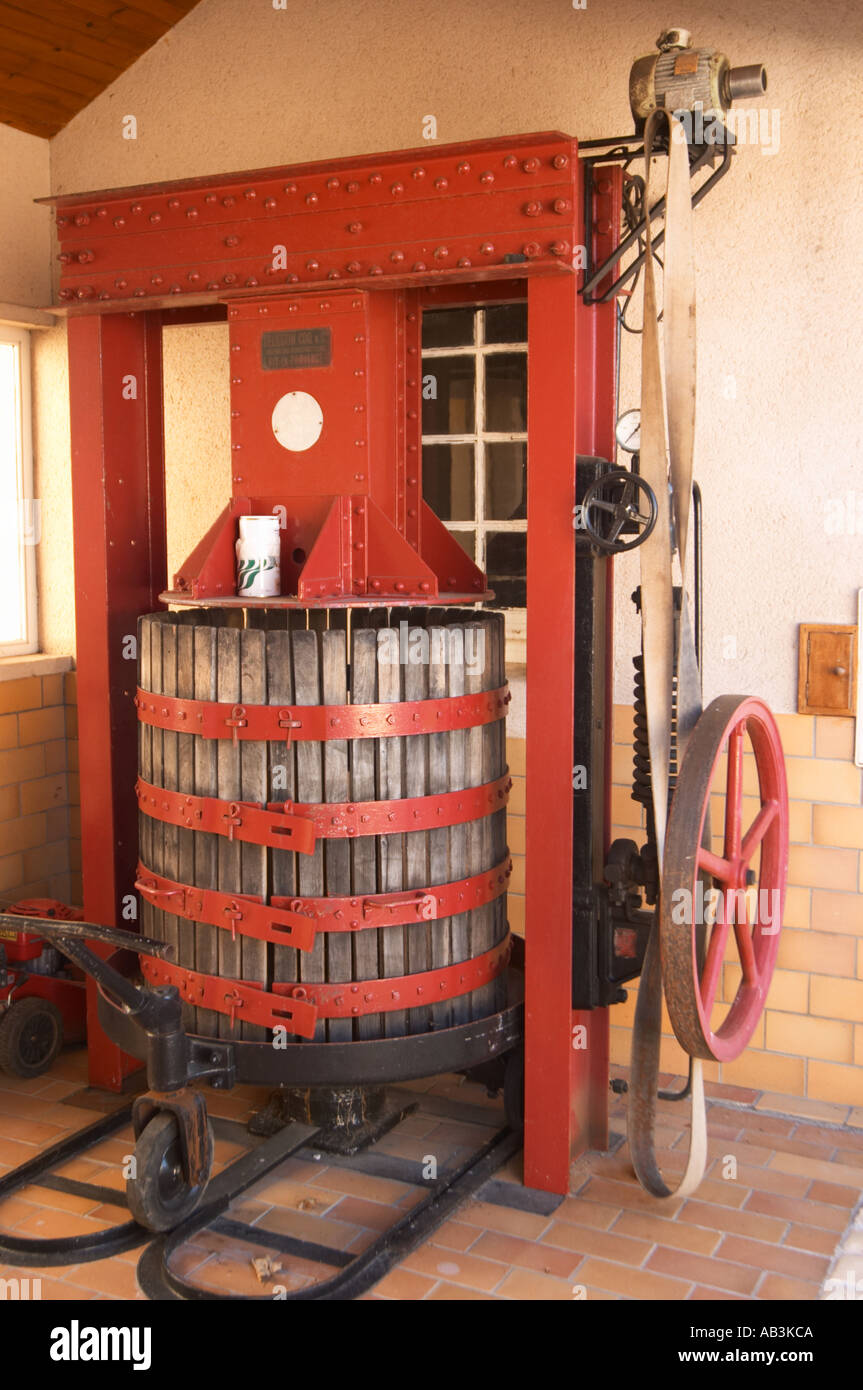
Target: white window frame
x=24, y=646
x=515, y=618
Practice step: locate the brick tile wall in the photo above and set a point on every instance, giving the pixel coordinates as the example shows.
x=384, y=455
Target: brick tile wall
x=37, y=789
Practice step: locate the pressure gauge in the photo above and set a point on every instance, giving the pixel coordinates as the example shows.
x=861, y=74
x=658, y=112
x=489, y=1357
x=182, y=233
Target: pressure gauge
x=628, y=431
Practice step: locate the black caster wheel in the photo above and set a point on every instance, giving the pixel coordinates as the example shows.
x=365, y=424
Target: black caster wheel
x=513, y=1089
x=31, y=1035
x=159, y=1195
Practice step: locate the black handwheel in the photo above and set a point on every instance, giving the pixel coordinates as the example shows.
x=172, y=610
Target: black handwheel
x=513, y=1089
x=159, y=1195
x=31, y=1035
x=617, y=499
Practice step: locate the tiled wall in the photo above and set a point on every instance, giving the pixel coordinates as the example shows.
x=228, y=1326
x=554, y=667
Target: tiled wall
x=809, y=1041
x=38, y=789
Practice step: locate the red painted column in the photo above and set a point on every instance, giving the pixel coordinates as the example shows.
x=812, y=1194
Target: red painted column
x=118, y=504
x=555, y=1072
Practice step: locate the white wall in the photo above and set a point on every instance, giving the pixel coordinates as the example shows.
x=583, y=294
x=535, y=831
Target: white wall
x=243, y=85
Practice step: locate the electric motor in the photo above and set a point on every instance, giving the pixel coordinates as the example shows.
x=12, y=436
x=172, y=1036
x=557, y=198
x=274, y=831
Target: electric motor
x=682, y=78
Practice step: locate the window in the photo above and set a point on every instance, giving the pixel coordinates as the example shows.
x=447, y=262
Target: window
x=475, y=443
x=19, y=514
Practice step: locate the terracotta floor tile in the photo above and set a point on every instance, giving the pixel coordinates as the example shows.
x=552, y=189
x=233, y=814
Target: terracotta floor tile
x=632, y=1283
x=506, y=1219
x=811, y=1238
x=628, y=1195
x=455, y=1235
x=524, y=1284
x=586, y=1241
x=704, y=1269
x=701, y=1294
x=806, y=1109
x=457, y=1267
x=13, y=1210
x=59, y=1291
x=777, y=1259
x=806, y=1149
x=59, y=1201
x=187, y=1258
x=456, y=1292
x=338, y=1235
x=850, y=1158
x=767, y=1179
x=820, y=1170
x=13, y=1152
x=718, y=1192
x=29, y=1131
x=26, y=1085
x=829, y=1218
x=527, y=1254
x=718, y=1090
x=236, y=1276
x=686, y=1233
x=401, y=1283
x=584, y=1212
x=355, y=1184
x=732, y=1219
x=752, y=1154
x=45, y=1223
x=756, y=1124
x=295, y=1196
x=775, y=1286
x=106, y=1276
x=110, y=1213
x=834, y=1194
x=377, y=1216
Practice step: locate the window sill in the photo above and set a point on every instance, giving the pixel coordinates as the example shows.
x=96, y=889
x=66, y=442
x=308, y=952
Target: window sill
x=14, y=668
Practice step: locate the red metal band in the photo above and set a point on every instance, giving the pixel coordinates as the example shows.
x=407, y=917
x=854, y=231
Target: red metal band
x=296, y=921
x=297, y=1007
x=318, y=723
x=242, y=913
x=296, y=826
x=237, y=998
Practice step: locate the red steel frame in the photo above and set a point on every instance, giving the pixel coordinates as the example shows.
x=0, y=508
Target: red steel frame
x=453, y=224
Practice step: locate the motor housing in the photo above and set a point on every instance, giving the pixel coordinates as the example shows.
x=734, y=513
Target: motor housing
x=680, y=77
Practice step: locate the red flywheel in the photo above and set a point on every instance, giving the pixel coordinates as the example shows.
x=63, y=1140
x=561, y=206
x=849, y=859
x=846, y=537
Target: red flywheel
x=712, y=898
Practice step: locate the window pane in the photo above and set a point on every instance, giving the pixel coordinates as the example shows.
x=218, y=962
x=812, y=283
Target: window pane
x=448, y=327
x=448, y=395
x=467, y=541
x=506, y=567
x=505, y=392
x=12, y=612
x=506, y=323
x=505, y=482
x=448, y=481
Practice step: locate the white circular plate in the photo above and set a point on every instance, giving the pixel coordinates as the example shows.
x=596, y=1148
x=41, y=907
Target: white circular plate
x=297, y=421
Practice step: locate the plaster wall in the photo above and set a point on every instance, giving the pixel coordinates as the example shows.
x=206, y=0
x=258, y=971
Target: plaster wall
x=25, y=230
x=780, y=269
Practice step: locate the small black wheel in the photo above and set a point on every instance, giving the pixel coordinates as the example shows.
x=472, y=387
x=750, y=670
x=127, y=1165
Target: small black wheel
x=31, y=1035
x=159, y=1195
x=513, y=1089
x=615, y=500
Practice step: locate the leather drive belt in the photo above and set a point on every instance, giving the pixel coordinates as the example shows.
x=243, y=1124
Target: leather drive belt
x=319, y=723
x=667, y=437
x=296, y=922
x=299, y=1007
x=298, y=826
